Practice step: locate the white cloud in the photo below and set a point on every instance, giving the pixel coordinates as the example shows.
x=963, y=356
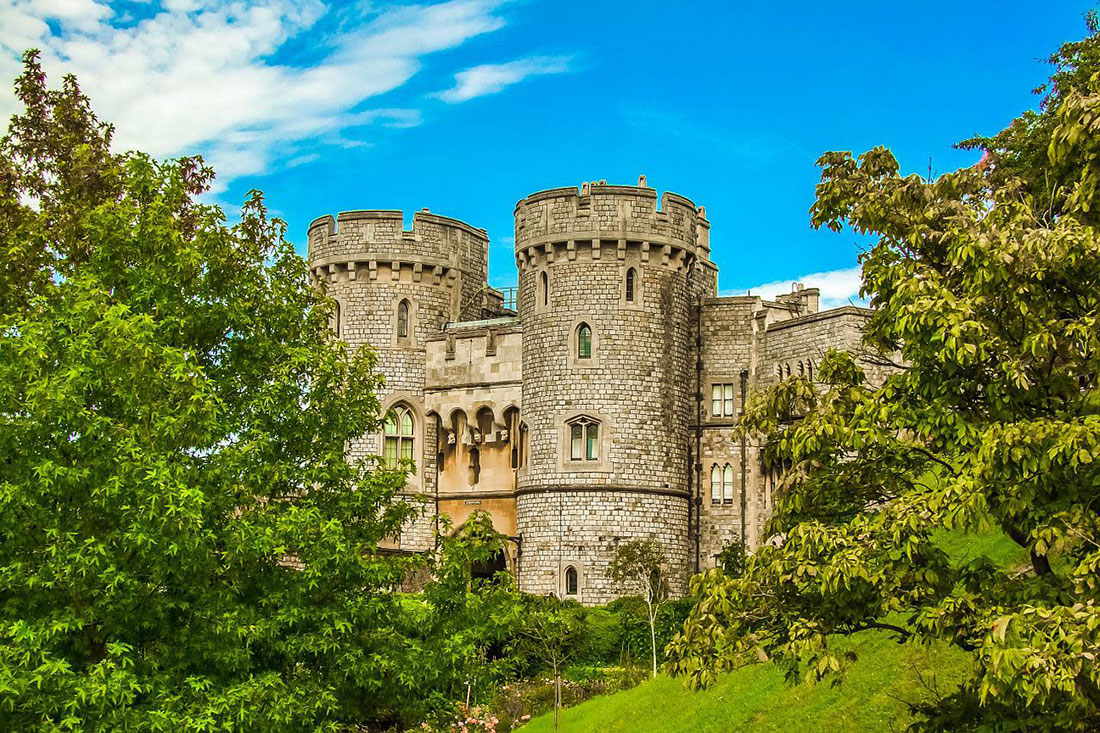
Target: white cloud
x=479, y=81
x=838, y=287
x=202, y=75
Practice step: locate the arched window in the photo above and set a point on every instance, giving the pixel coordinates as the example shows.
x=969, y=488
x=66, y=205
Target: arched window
x=544, y=289
x=630, y=274
x=779, y=371
x=403, y=320
x=337, y=323
x=788, y=369
x=801, y=369
x=584, y=341
x=727, y=484
x=397, y=442
x=571, y=581
x=716, y=484
x=584, y=439
x=810, y=369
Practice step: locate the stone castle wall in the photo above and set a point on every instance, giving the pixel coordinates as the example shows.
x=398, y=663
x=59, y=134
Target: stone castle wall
x=636, y=384
x=494, y=394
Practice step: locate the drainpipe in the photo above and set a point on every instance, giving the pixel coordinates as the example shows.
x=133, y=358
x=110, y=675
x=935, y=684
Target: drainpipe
x=744, y=502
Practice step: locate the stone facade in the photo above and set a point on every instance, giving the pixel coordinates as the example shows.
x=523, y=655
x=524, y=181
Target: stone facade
x=601, y=405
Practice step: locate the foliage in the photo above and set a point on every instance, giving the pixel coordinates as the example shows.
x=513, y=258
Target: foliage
x=519, y=701
x=471, y=628
x=634, y=639
x=552, y=629
x=732, y=559
x=182, y=543
x=638, y=567
x=983, y=285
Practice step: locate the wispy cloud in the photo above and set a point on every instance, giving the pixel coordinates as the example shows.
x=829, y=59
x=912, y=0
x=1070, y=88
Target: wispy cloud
x=206, y=76
x=479, y=81
x=838, y=287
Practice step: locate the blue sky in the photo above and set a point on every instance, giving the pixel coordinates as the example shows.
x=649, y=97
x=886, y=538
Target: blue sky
x=464, y=107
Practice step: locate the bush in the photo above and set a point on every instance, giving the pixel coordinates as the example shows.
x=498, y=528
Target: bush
x=634, y=637
x=601, y=640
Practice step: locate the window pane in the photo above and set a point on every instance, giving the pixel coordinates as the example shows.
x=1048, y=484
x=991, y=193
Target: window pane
x=729, y=400
x=389, y=453
x=403, y=320
x=727, y=480
x=716, y=400
x=406, y=423
x=390, y=425
x=630, y=284
x=407, y=449
x=584, y=342
x=716, y=485
x=576, y=452
x=592, y=449
x=571, y=581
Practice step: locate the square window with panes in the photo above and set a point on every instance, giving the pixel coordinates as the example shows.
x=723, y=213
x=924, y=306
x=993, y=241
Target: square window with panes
x=721, y=400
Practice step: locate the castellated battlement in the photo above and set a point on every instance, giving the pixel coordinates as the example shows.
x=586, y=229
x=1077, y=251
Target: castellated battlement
x=356, y=241
x=608, y=220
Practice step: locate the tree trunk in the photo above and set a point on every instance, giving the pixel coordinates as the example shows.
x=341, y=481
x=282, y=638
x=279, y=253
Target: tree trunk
x=557, y=695
x=653, y=638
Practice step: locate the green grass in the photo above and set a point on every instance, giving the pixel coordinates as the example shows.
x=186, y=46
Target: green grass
x=871, y=697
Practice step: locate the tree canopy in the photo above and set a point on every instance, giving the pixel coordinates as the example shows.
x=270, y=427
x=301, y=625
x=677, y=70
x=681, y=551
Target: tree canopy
x=182, y=542
x=985, y=292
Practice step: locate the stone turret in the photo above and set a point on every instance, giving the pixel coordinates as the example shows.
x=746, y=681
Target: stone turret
x=606, y=284
x=395, y=290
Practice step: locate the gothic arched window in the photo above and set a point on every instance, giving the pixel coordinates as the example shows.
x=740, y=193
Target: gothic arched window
x=571, y=583
x=398, y=437
x=403, y=320
x=727, y=484
x=716, y=484
x=544, y=289
x=630, y=274
x=584, y=341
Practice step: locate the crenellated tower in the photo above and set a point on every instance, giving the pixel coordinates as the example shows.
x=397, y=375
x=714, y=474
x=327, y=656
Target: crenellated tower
x=396, y=289
x=608, y=276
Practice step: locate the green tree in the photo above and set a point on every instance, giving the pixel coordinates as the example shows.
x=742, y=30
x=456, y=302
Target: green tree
x=183, y=545
x=472, y=625
x=985, y=289
x=552, y=629
x=638, y=568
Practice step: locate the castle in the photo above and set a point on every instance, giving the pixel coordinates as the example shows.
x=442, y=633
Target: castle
x=596, y=406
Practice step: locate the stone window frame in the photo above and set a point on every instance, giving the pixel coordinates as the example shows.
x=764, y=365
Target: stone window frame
x=639, y=290
x=408, y=341
x=723, y=382
x=543, y=305
x=600, y=464
x=592, y=361
x=722, y=491
x=337, y=321
x=412, y=404
x=577, y=567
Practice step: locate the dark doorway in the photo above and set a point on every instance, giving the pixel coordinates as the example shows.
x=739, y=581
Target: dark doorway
x=489, y=568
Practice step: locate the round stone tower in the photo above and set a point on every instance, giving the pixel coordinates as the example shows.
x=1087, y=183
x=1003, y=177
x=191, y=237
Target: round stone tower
x=395, y=289
x=607, y=279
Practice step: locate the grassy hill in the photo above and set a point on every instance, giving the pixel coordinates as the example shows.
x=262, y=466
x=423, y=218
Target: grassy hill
x=872, y=697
